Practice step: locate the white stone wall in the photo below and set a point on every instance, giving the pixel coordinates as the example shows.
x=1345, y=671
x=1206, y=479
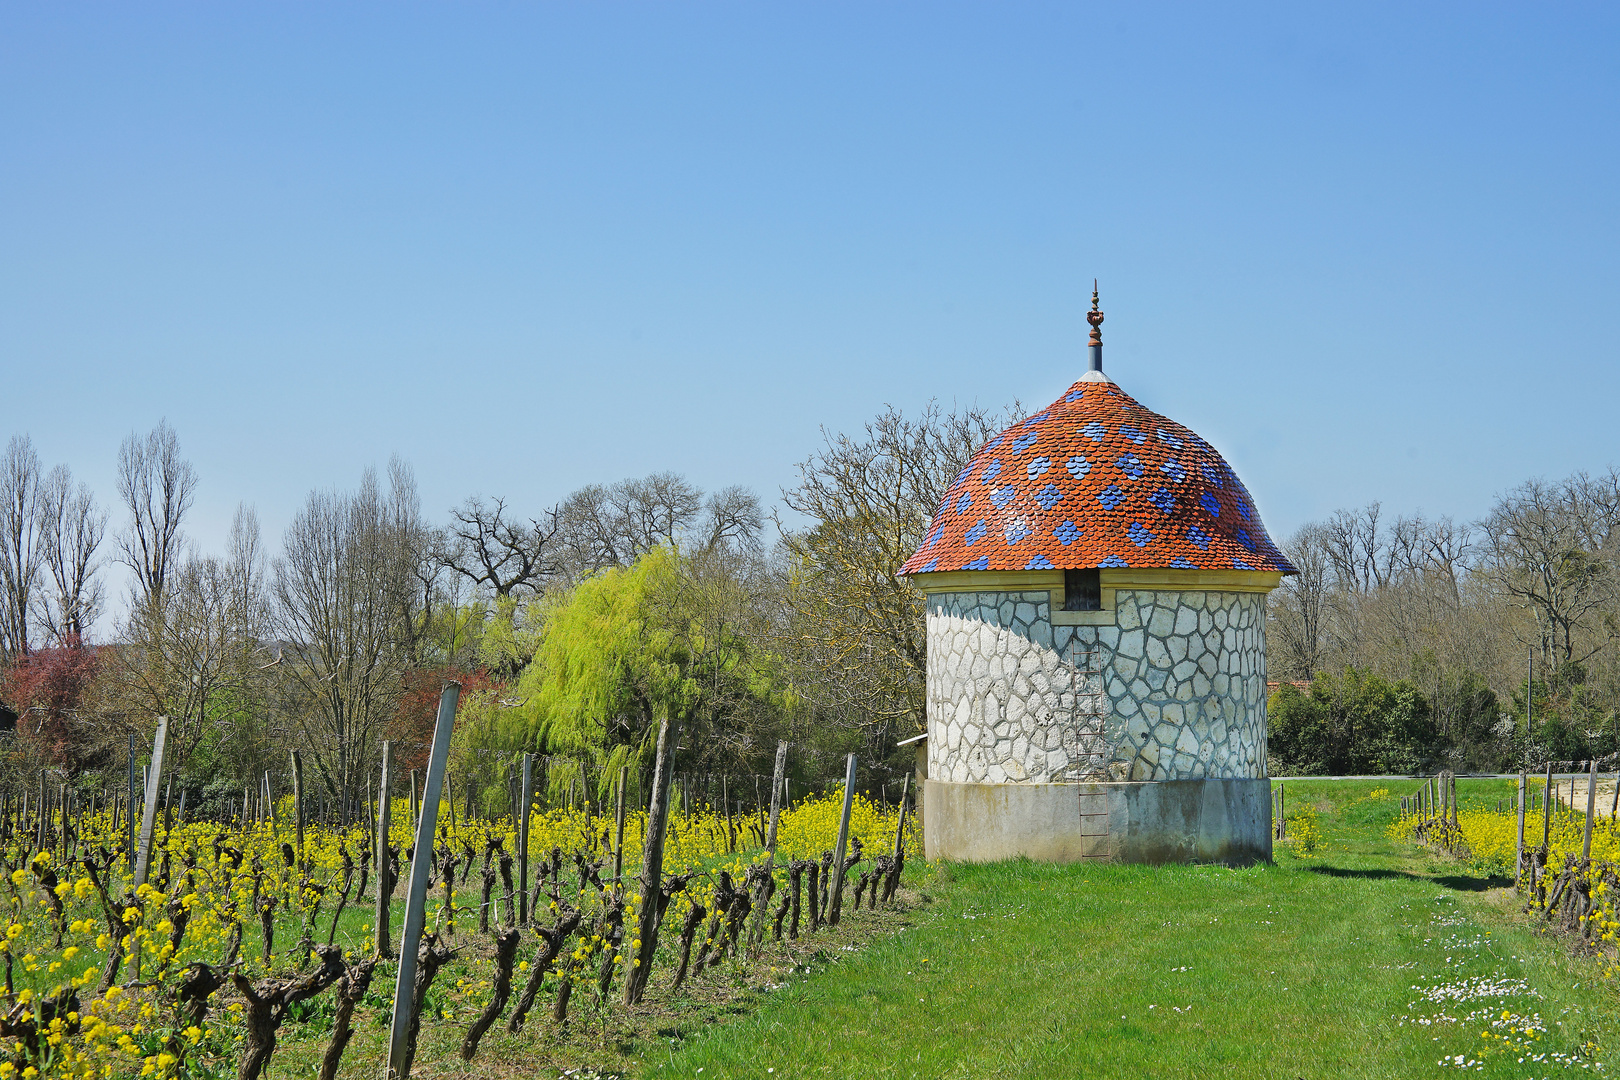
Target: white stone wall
x=1175, y=690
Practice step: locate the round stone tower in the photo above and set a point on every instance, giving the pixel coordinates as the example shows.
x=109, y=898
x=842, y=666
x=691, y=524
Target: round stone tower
x=1096, y=582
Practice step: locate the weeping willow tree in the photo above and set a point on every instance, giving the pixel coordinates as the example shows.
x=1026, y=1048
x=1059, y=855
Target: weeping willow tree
x=673, y=636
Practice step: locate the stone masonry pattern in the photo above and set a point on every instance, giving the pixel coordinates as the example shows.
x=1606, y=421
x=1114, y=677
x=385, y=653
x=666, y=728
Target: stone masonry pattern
x=1175, y=690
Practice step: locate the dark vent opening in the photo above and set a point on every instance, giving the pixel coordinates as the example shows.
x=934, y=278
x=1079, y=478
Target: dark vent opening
x=1082, y=590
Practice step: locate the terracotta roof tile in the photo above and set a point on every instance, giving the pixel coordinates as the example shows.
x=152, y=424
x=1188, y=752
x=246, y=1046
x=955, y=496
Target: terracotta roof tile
x=1096, y=480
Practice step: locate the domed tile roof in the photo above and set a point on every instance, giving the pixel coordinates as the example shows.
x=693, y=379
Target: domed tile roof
x=1096, y=480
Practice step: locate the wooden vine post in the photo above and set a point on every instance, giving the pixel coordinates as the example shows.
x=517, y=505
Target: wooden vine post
x=843, y=841
x=618, y=826
x=149, y=810
x=725, y=797
x=1518, y=863
x=298, y=804
x=762, y=895
x=523, y=838
x=270, y=807
x=652, y=862
x=778, y=777
x=1591, y=807
x=1546, y=810
x=416, y=901
x=298, y=872
x=385, y=810
x=416, y=811
x=900, y=822
x=129, y=809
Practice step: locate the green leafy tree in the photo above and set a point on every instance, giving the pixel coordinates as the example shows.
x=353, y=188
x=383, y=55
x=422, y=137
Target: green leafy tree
x=672, y=635
x=1352, y=722
x=1296, y=733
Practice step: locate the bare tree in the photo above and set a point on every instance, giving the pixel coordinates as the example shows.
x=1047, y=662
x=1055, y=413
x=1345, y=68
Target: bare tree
x=733, y=521
x=344, y=588
x=1298, y=612
x=600, y=526
x=1445, y=603
x=246, y=562
x=21, y=549
x=157, y=486
x=1555, y=548
x=193, y=652
x=858, y=630
x=73, y=527
x=1356, y=548
x=497, y=551
x=654, y=510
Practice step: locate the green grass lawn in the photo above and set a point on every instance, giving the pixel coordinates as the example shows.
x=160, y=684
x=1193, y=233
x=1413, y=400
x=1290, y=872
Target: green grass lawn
x=1313, y=967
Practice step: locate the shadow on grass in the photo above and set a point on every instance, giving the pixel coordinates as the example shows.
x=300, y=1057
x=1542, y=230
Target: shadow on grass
x=1457, y=882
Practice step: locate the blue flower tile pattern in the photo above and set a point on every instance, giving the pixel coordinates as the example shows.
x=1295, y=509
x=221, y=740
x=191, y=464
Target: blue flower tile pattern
x=1189, y=511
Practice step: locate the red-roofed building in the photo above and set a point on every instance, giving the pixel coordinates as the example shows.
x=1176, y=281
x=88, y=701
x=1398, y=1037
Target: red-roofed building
x=1093, y=481
x=1096, y=583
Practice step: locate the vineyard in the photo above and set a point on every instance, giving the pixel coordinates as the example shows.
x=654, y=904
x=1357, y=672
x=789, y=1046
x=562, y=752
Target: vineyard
x=1564, y=860
x=236, y=931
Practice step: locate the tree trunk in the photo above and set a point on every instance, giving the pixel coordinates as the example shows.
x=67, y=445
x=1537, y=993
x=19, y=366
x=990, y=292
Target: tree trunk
x=689, y=929
x=551, y=944
x=267, y=1005
x=356, y=981
x=506, y=944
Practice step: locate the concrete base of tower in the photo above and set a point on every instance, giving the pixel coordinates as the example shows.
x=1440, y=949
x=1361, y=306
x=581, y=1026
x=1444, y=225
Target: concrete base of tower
x=1168, y=821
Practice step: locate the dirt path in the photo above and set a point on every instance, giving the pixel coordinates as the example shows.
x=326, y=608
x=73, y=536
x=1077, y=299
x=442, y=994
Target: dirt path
x=1605, y=795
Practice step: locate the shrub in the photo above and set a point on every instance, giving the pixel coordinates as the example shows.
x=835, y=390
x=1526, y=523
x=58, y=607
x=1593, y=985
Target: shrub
x=1304, y=832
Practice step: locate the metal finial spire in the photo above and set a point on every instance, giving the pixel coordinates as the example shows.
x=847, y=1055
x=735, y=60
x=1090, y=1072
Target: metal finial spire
x=1095, y=318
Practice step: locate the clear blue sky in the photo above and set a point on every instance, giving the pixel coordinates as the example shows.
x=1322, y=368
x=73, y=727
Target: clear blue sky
x=1369, y=254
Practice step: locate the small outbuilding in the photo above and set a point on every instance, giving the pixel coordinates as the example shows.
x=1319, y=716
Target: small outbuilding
x=1096, y=581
